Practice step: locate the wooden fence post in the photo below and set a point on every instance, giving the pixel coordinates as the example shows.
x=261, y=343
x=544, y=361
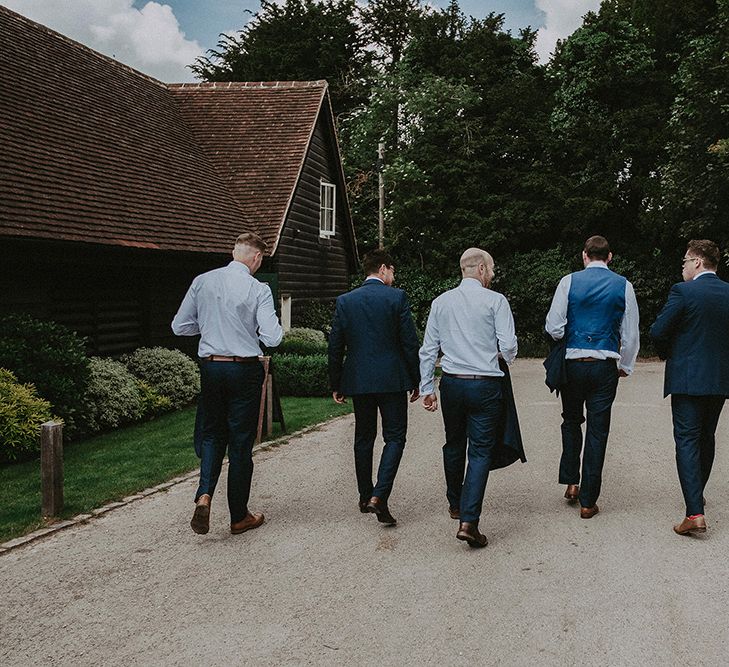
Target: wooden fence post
x=262, y=408
x=51, y=469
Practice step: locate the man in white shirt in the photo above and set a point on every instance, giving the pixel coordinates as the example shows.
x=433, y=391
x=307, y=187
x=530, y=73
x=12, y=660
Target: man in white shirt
x=595, y=310
x=473, y=326
x=232, y=312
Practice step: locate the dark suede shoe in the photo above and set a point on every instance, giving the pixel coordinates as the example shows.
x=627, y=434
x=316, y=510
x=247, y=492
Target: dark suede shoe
x=454, y=512
x=468, y=532
x=253, y=520
x=200, y=522
x=363, y=506
x=376, y=506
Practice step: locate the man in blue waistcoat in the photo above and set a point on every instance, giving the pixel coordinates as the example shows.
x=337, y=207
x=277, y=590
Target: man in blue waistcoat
x=595, y=311
x=373, y=357
x=691, y=333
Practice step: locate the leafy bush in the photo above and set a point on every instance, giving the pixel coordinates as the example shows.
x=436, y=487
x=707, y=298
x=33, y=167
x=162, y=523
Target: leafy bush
x=51, y=357
x=153, y=403
x=307, y=335
x=421, y=288
x=170, y=372
x=112, y=397
x=317, y=315
x=21, y=415
x=300, y=346
x=301, y=376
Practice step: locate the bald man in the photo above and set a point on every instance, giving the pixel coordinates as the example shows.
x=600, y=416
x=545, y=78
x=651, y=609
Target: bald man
x=473, y=326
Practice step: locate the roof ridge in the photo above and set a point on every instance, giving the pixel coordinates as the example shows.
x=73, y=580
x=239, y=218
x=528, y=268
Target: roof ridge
x=79, y=45
x=321, y=83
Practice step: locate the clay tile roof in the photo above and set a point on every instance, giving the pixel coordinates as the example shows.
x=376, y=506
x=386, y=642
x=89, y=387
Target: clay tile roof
x=257, y=134
x=92, y=150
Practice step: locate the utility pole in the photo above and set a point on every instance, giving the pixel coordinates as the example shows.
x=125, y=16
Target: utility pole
x=380, y=168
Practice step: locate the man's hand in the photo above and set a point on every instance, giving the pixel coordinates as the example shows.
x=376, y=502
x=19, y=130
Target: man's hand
x=338, y=398
x=622, y=373
x=430, y=402
x=414, y=395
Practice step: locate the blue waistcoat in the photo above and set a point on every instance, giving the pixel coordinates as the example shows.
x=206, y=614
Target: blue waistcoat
x=595, y=310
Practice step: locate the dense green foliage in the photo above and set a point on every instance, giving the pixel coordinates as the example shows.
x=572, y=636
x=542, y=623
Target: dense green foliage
x=170, y=372
x=624, y=133
x=21, y=414
x=51, y=357
x=298, y=375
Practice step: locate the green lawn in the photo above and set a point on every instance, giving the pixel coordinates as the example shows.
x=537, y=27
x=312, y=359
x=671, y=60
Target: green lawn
x=111, y=466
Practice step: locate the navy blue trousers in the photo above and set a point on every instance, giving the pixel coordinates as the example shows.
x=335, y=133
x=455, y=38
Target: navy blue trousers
x=694, y=425
x=230, y=396
x=393, y=409
x=591, y=385
x=471, y=415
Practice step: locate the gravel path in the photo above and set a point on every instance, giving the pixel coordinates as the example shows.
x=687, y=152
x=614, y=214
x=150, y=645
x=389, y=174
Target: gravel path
x=322, y=584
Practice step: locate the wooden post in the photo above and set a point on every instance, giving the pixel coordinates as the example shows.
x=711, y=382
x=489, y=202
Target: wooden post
x=262, y=408
x=51, y=469
x=269, y=404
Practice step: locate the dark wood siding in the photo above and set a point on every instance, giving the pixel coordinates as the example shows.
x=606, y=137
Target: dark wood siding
x=119, y=298
x=313, y=268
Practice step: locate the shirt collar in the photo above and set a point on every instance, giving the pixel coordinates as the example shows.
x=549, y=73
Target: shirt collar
x=470, y=283
x=597, y=264
x=703, y=273
x=368, y=278
x=240, y=266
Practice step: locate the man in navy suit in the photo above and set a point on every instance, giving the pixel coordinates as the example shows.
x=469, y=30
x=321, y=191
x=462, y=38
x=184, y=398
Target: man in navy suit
x=691, y=333
x=373, y=357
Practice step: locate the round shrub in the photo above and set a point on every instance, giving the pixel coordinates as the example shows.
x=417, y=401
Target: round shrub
x=301, y=376
x=170, y=372
x=51, y=357
x=308, y=335
x=21, y=416
x=112, y=397
x=299, y=346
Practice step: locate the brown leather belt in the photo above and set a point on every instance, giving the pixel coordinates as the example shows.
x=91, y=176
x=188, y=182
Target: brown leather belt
x=586, y=359
x=220, y=357
x=470, y=377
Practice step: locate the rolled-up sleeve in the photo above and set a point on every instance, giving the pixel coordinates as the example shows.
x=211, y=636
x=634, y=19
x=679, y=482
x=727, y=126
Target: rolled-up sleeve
x=185, y=321
x=429, y=353
x=505, y=330
x=629, y=331
x=557, y=316
x=270, y=331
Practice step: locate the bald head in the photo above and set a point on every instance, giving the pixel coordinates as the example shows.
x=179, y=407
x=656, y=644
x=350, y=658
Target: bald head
x=478, y=264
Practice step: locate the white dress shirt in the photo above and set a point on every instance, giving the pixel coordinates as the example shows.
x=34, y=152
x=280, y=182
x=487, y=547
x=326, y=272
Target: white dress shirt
x=471, y=325
x=231, y=311
x=629, y=333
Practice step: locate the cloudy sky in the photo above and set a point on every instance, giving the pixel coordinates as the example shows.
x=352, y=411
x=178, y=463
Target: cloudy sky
x=162, y=38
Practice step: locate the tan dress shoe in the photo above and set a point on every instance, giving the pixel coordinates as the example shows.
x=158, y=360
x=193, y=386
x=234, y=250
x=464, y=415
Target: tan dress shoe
x=588, y=512
x=688, y=526
x=468, y=532
x=253, y=520
x=200, y=522
x=572, y=492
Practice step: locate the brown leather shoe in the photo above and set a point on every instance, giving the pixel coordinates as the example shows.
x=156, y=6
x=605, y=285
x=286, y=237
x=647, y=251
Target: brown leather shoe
x=688, y=526
x=572, y=492
x=454, y=512
x=253, y=520
x=588, y=512
x=200, y=522
x=378, y=507
x=468, y=532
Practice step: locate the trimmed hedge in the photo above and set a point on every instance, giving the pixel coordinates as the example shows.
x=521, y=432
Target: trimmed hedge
x=112, y=397
x=170, y=372
x=300, y=347
x=301, y=376
x=51, y=357
x=304, y=334
x=21, y=416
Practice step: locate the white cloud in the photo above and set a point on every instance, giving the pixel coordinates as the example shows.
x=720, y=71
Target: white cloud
x=561, y=19
x=148, y=39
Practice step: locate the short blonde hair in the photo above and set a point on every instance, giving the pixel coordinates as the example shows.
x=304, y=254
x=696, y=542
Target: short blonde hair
x=253, y=240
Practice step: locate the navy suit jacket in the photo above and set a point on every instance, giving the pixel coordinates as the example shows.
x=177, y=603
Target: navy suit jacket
x=373, y=346
x=692, y=334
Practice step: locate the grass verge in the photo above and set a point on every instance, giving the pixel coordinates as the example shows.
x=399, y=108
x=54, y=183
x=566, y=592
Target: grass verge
x=113, y=465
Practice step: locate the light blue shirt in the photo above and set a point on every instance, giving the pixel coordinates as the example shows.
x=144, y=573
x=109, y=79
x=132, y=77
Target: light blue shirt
x=231, y=311
x=629, y=334
x=471, y=325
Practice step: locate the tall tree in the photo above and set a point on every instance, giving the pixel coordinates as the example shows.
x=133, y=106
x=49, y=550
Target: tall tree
x=297, y=40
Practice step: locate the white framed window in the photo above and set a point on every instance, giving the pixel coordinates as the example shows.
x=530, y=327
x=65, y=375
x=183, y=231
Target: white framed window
x=327, y=209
